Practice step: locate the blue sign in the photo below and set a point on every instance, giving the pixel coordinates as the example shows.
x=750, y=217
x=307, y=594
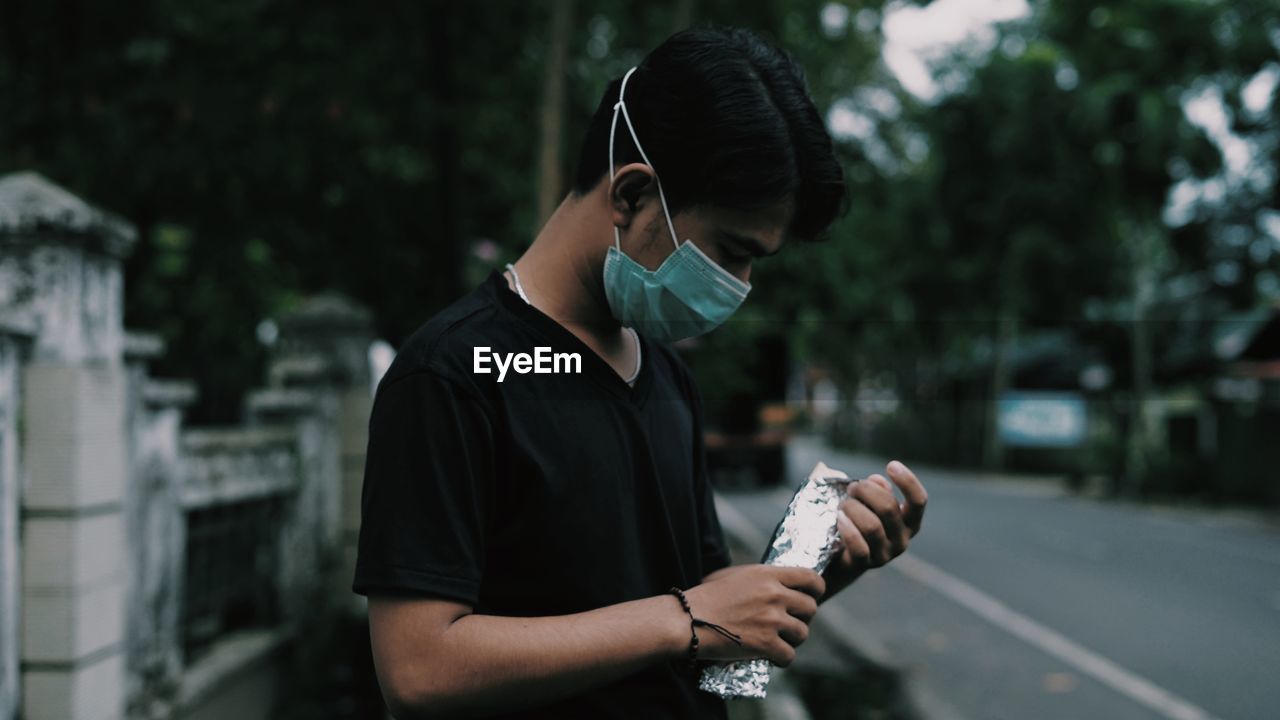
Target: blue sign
x=1042, y=419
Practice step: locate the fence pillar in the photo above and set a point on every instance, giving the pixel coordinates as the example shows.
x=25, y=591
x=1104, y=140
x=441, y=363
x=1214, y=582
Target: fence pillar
x=324, y=343
x=14, y=341
x=156, y=533
x=60, y=273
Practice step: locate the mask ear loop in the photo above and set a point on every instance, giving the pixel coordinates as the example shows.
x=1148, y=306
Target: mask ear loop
x=621, y=106
x=617, y=236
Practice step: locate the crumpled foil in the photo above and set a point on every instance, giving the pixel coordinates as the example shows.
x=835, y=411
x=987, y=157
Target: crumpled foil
x=806, y=537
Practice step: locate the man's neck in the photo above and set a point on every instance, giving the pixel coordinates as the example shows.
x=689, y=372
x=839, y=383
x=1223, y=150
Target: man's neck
x=561, y=273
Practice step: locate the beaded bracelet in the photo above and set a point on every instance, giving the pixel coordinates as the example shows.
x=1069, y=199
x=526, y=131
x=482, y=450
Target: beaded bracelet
x=694, y=624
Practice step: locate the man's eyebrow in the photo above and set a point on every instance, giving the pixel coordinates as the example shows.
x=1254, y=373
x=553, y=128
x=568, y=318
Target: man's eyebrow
x=754, y=246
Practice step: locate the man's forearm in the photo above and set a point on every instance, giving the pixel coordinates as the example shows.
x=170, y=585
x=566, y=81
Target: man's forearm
x=484, y=664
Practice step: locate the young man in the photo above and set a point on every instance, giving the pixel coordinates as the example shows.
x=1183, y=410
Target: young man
x=522, y=529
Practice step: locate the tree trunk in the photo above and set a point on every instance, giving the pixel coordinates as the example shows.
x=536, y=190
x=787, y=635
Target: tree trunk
x=550, y=173
x=1136, y=437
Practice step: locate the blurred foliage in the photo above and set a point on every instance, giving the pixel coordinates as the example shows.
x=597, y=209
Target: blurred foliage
x=268, y=149
x=1050, y=155
x=271, y=149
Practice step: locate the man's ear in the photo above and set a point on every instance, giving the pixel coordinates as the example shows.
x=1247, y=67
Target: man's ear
x=632, y=187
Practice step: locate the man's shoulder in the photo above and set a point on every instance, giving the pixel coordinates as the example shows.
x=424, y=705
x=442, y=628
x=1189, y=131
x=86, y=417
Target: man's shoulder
x=444, y=344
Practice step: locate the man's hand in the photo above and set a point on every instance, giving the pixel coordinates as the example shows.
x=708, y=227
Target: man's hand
x=768, y=607
x=874, y=526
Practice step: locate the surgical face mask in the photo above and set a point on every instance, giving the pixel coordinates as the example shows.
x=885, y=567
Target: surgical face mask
x=688, y=295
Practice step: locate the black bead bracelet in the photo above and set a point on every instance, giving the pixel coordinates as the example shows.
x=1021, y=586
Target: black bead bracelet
x=694, y=624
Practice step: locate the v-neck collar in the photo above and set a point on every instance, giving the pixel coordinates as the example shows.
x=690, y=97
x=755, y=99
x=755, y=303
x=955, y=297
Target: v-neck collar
x=559, y=336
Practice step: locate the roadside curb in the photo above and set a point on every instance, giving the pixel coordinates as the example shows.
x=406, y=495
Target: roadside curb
x=843, y=629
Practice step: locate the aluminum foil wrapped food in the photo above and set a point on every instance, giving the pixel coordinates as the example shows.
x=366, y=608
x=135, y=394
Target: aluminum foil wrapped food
x=806, y=537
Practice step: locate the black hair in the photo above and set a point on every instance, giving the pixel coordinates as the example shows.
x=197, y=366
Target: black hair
x=727, y=121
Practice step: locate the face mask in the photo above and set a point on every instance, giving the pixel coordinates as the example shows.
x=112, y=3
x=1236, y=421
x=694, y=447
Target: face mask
x=688, y=295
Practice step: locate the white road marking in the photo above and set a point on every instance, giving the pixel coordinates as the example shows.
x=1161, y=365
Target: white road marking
x=1127, y=683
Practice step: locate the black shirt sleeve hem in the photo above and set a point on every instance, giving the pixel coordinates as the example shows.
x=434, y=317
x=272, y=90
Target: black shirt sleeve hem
x=393, y=580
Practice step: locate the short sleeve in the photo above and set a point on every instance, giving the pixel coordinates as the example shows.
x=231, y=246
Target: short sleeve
x=428, y=490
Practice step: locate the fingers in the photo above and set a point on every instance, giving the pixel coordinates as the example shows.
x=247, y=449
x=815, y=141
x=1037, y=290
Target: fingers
x=801, y=606
x=886, y=507
x=794, y=632
x=871, y=529
x=857, y=553
x=802, y=579
x=914, y=493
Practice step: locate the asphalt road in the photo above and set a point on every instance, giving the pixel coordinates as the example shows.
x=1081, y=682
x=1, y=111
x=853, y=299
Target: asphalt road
x=1019, y=601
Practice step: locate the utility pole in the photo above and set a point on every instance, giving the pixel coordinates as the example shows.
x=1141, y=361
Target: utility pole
x=1002, y=368
x=1146, y=245
x=683, y=15
x=550, y=171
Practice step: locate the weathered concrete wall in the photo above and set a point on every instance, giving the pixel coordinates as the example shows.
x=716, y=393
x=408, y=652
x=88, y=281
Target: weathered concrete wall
x=11, y=346
x=98, y=476
x=154, y=528
x=60, y=276
x=73, y=542
x=323, y=348
x=61, y=270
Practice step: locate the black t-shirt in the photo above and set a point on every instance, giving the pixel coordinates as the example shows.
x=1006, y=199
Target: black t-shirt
x=543, y=494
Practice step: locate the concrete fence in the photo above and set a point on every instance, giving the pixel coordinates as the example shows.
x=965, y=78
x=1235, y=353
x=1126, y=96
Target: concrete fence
x=147, y=569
